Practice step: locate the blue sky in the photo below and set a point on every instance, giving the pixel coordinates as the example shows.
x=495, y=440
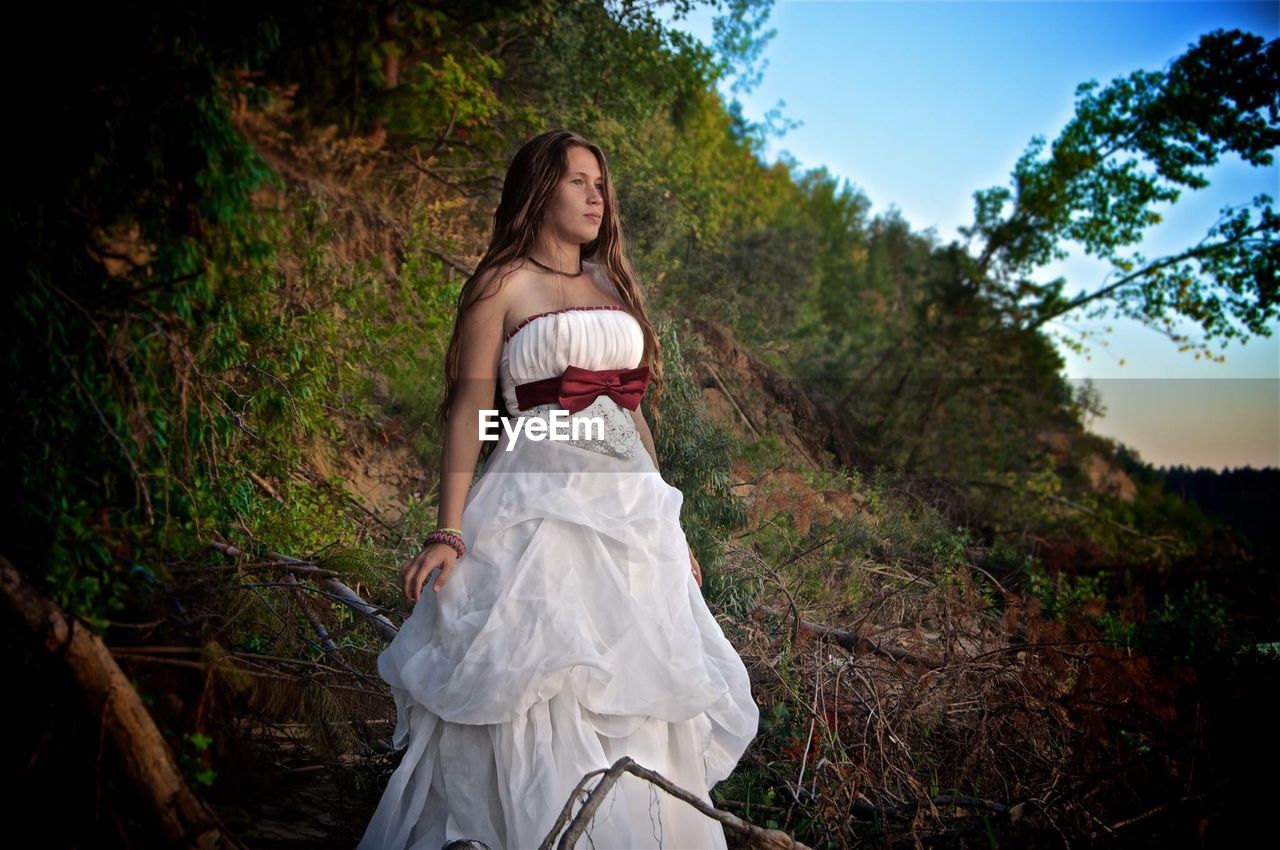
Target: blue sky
x=920, y=104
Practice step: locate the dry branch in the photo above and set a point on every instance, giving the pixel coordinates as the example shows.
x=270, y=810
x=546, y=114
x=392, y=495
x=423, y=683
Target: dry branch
x=313, y=618
x=756, y=838
x=715, y=376
x=341, y=591
x=854, y=641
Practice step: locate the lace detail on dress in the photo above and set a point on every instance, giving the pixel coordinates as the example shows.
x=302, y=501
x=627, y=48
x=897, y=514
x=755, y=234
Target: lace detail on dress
x=620, y=438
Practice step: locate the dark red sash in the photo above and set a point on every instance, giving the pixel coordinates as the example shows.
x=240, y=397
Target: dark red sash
x=577, y=388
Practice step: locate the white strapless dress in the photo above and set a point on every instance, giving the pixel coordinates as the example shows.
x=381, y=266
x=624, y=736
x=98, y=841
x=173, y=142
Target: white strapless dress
x=571, y=634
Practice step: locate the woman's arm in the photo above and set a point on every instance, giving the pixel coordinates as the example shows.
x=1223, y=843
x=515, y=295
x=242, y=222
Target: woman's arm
x=480, y=350
x=480, y=347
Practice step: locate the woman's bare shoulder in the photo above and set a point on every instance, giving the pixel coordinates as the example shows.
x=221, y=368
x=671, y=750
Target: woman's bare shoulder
x=506, y=292
x=502, y=285
x=500, y=277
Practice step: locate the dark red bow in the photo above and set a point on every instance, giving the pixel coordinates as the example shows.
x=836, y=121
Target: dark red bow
x=577, y=388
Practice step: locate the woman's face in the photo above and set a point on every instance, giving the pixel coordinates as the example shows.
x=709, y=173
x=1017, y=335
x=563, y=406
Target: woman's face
x=578, y=205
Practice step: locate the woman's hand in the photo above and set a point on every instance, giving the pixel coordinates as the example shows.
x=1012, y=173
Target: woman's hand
x=415, y=570
x=695, y=567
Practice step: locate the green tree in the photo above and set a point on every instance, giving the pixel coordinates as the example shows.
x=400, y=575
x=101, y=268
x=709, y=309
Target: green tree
x=1222, y=96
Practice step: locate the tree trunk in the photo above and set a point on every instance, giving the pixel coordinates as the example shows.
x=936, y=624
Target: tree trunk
x=144, y=755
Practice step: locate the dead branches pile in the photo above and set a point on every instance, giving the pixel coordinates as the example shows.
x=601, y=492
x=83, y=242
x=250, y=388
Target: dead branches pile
x=935, y=703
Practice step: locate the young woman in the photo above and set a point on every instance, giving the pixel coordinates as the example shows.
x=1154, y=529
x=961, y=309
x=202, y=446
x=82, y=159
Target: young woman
x=564, y=627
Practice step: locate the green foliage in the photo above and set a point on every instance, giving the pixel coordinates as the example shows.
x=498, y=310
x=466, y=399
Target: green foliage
x=193, y=759
x=695, y=458
x=764, y=454
x=1189, y=627
x=1217, y=98
x=198, y=369
x=1004, y=557
x=909, y=338
x=1065, y=595
x=132, y=234
x=457, y=89
x=899, y=532
x=326, y=721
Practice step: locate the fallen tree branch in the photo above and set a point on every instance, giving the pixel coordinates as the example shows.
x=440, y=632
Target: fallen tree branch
x=301, y=569
x=317, y=625
x=756, y=838
x=343, y=593
x=715, y=376
x=855, y=641
x=145, y=757
x=908, y=809
x=143, y=658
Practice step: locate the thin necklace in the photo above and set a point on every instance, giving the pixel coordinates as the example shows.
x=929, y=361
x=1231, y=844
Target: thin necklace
x=557, y=271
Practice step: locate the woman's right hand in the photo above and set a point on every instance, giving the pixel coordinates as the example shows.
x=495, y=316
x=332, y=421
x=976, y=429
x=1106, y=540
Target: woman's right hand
x=415, y=570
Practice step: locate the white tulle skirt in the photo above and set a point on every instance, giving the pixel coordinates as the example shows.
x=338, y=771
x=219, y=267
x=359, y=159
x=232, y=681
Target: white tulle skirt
x=572, y=633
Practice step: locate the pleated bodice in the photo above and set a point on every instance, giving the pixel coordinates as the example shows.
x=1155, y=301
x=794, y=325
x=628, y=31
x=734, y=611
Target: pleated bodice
x=595, y=337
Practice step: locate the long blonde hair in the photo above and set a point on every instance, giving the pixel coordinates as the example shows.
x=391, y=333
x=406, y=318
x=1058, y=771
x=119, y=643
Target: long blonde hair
x=527, y=191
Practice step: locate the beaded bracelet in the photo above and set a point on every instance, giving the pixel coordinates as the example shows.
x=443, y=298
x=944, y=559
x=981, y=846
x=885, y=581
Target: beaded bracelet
x=455, y=531
x=447, y=537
